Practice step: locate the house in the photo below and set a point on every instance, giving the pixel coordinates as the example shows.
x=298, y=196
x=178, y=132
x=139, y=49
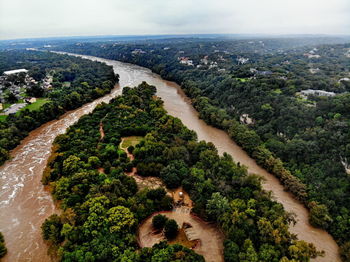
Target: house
x=186, y=61
x=213, y=65
x=30, y=100
x=308, y=92
x=311, y=55
x=242, y=60
x=345, y=79
x=246, y=119
x=314, y=70
x=204, y=60
x=1, y=106
x=138, y=51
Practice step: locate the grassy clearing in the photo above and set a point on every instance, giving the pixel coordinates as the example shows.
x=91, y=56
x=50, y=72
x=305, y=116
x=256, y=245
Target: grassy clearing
x=241, y=79
x=3, y=118
x=36, y=105
x=130, y=141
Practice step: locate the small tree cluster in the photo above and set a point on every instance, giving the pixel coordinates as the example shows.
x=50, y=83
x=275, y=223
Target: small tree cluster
x=170, y=226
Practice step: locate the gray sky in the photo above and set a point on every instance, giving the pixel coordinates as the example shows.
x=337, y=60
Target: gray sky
x=42, y=18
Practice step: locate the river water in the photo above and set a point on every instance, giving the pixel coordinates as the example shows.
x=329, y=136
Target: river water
x=24, y=203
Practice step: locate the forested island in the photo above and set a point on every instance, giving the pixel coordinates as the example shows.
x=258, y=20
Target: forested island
x=286, y=103
x=55, y=83
x=103, y=206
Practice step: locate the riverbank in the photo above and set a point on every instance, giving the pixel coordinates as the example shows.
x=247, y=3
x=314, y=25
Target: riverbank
x=24, y=201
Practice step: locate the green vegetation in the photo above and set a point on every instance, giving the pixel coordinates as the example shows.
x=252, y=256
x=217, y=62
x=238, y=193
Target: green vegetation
x=88, y=80
x=101, y=211
x=3, y=117
x=241, y=79
x=305, y=142
x=3, y=249
x=158, y=221
x=171, y=229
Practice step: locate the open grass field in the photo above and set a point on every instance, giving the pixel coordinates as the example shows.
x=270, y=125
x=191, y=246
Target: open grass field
x=35, y=106
x=130, y=141
x=241, y=79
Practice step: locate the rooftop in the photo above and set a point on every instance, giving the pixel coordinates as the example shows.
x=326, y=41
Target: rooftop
x=16, y=71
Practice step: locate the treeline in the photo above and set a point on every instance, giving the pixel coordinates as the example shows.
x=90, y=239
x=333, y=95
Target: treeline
x=303, y=141
x=102, y=207
x=75, y=81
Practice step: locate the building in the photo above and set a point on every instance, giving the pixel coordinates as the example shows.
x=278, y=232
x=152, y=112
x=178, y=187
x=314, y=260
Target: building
x=186, y=61
x=138, y=52
x=16, y=71
x=30, y=100
x=1, y=106
x=345, y=79
x=242, y=60
x=316, y=93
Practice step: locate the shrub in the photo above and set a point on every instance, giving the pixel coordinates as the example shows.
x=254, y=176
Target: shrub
x=171, y=229
x=159, y=221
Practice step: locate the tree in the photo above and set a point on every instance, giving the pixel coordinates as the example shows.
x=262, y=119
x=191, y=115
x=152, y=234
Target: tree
x=174, y=173
x=345, y=251
x=158, y=221
x=319, y=215
x=35, y=90
x=94, y=161
x=71, y=165
x=217, y=205
x=3, y=249
x=248, y=253
x=303, y=251
x=51, y=229
x=231, y=251
x=171, y=229
x=120, y=219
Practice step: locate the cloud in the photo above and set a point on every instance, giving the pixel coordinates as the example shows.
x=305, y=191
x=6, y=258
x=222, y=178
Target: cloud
x=38, y=18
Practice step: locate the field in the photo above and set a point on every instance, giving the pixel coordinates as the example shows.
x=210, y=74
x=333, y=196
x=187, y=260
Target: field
x=35, y=106
x=130, y=141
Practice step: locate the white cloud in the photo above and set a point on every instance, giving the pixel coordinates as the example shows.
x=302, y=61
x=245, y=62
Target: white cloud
x=38, y=18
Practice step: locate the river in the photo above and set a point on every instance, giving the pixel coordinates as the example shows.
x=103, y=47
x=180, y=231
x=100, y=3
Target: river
x=24, y=202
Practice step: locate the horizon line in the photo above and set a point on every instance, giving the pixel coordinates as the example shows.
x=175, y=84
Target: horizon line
x=177, y=35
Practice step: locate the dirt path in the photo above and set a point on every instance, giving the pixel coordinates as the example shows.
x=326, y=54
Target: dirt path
x=142, y=182
x=102, y=132
x=209, y=237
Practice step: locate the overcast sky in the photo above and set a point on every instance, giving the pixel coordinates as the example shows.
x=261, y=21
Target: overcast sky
x=42, y=18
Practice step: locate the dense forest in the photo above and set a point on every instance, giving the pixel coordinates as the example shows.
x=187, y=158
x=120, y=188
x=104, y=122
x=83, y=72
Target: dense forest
x=259, y=92
x=102, y=206
x=75, y=81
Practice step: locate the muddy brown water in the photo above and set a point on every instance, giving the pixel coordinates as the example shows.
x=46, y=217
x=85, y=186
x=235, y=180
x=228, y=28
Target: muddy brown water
x=24, y=203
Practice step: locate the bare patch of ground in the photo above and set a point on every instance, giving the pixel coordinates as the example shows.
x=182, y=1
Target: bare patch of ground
x=142, y=182
x=206, y=238
x=181, y=198
x=102, y=132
